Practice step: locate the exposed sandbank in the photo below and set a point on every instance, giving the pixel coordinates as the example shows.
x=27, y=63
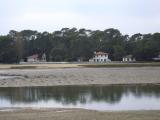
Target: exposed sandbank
x=76, y=114
x=79, y=76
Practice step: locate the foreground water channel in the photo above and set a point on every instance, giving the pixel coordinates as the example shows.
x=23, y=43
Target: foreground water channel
x=119, y=97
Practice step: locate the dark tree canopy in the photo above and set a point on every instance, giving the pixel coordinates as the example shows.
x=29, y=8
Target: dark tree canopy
x=73, y=44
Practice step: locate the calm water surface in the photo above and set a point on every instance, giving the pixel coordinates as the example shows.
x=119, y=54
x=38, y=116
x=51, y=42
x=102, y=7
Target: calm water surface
x=88, y=97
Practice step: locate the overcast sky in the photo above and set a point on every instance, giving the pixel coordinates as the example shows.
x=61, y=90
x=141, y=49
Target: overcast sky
x=129, y=16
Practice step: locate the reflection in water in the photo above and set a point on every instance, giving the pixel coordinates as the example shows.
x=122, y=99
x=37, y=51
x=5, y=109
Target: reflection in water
x=91, y=97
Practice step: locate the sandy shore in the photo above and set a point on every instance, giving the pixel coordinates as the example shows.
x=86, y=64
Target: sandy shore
x=79, y=76
x=77, y=114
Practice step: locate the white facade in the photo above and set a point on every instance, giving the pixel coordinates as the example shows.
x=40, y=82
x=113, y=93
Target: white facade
x=100, y=57
x=128, y=58
x=36, y=58
x=32, y=60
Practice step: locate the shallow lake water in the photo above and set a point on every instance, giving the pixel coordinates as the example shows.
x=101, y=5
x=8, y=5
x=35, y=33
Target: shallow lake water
x=122, y=97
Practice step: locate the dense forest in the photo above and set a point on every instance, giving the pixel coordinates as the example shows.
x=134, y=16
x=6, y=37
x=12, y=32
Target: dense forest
x=73, y=44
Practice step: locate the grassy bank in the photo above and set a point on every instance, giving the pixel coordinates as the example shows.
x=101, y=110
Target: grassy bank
x=155, y=64
x=37, y=66
x=77, y=65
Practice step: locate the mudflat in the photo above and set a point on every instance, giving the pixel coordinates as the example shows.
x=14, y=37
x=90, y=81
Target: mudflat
x=79, y=76
x=77, y=114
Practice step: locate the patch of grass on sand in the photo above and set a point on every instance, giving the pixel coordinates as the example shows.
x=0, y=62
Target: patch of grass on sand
x=23, y=67
x=122, y=65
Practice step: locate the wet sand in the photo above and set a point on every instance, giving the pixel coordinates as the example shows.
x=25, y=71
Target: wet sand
x=77, y=114
x=79, y=76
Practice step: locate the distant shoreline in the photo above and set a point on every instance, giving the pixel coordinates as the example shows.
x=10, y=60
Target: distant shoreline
x=53, y=65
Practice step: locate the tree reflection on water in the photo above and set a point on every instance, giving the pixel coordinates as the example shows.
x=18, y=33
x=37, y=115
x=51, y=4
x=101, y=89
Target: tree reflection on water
x=77, y=94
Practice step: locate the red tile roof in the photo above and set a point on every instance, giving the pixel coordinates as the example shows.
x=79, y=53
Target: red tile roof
x=101, y=53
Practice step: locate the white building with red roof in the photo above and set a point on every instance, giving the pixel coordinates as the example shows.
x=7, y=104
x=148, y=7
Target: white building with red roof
x=100, y=57
x=33, y=58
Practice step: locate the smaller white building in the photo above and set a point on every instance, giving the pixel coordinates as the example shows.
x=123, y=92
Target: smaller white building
x=129, y=58
x=33, y=58
x=157, y=58
x=100, y=57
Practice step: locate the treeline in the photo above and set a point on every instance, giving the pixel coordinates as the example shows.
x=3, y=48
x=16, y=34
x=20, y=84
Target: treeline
x=73, y=44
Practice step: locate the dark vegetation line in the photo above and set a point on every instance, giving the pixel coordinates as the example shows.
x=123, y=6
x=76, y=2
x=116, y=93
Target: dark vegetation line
x=72, y=44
